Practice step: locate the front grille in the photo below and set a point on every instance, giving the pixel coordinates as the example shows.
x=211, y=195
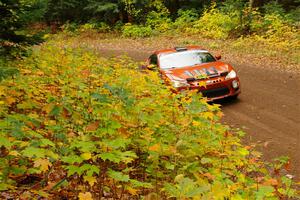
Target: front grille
x=215, y=92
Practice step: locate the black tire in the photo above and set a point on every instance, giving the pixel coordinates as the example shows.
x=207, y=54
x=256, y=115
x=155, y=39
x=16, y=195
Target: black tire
x=234, y=97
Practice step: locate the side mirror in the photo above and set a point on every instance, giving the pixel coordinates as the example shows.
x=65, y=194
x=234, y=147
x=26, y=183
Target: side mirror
x=218, y=57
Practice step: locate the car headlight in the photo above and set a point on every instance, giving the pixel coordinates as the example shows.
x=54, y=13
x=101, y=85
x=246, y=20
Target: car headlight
x=230, y=75
x=178, y=84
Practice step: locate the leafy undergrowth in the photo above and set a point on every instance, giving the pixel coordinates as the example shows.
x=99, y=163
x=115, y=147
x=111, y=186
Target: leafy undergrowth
x=73, y=125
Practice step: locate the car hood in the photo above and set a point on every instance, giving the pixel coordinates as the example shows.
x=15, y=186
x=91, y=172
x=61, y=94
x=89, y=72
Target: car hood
x=201, y=71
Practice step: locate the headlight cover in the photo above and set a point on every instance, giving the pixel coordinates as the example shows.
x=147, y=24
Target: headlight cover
x=178, y=84
x=230, y=75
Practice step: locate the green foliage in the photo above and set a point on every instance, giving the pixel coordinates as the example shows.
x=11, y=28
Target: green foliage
x=71, y=28
x=34, y=11
x=104, y=11
x=94, y=26
x=87, y=125
x=185, y=19
x=215, y=24
x=7, y=68
x=275, y=32
x=274, y=8
x=136, y=31
x=159, y=17
x=14, y=39
x=65, y=10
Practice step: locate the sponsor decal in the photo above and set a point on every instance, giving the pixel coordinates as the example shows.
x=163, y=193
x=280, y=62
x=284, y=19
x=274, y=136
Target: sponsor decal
x=188, y=73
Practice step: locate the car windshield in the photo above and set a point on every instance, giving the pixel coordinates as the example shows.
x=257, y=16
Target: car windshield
x=184, y=59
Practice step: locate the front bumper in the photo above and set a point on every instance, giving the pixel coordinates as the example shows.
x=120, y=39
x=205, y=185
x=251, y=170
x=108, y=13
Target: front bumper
x=217, y=88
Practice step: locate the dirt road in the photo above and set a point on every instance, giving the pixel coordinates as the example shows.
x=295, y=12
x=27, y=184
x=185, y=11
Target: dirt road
x=268, y=109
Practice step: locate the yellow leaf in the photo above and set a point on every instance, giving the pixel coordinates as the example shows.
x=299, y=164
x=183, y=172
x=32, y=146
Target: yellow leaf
x=179, y=178
x=47, y=108
x=10, y=100
x=196, y=123
x=86, y=156
x=202, y=83
x=132, y=191
x=26, y=71
x=23, y=144
x=14, y=153
x=155, y=147
x=43, y=164
x=220, y=114
x=85, y=196
x=40, y=73
x=2, y=91
x=90, y=179
x=208, y=115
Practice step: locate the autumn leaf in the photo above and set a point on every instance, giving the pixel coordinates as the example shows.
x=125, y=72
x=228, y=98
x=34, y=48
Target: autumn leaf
x=43, y=164
x=90, y=179
x=47, y=108
x=86, y=156
x=93, y=126
x=65, y=113
x=209, y=176
x=196, y=123
x=155, y=147
x=14, y=153
x=272, y=182
x=208, y=115
x=10, y=100
x=85, y=196
x=132, y=191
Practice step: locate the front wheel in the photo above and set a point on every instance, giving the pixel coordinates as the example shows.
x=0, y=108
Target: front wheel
x=234, y=97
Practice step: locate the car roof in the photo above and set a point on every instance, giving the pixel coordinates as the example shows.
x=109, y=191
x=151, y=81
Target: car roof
x=177, y=49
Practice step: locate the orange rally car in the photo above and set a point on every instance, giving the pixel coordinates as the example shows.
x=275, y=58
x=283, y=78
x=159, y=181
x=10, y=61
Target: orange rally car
x=193, y=67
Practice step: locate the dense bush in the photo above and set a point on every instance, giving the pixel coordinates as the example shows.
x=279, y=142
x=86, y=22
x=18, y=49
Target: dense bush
x=185, y=19
x=6, y=69
x=73, y=124
x=159, y=21
x=135, y=31
x=215, y=24
x=95, y=26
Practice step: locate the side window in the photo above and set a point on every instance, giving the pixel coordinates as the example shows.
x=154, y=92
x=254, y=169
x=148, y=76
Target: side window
x=153, y=59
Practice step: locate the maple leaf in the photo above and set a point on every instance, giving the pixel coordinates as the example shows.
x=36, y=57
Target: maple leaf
x=85, y=196
x=86, y=156
x=10, y=100
x=132, y=191
x=90, y=179
x=43, y=164
x=93, y=126
x=155, y=147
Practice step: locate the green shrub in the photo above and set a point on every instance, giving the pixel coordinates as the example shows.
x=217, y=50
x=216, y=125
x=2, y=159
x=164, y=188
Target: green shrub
x=6, y=69
x=136, y=31
x=101, y=27
x=273, y=8
x=159, y=21
x=185, y=19
x=215, y=24
x=274, y=30
x=70, y=28
x=118, y=26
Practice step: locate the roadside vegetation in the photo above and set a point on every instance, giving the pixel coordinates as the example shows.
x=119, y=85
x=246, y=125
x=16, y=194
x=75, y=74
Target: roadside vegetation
x=76, y=125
